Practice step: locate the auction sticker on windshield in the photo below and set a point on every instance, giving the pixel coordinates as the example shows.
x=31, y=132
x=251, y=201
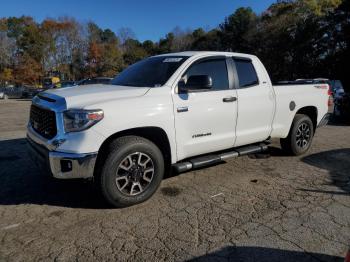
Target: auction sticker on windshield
x=172, y=59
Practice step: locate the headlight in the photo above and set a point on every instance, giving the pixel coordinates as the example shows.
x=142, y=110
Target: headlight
x=76, y=120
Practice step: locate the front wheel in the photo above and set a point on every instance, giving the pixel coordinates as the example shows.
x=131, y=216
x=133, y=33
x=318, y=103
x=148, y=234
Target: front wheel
x=132, y=172
x=300, y=136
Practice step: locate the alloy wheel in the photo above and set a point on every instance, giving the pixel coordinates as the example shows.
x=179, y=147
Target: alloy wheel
x=134, y=174
x=303, y=135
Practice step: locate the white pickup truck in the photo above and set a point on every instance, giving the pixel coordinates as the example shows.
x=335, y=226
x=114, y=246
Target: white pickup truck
x=182, y=110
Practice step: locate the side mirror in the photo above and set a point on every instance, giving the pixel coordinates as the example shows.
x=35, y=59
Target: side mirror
x=196, y=83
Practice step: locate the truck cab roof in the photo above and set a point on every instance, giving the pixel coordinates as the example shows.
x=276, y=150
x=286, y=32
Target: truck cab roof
x=209, y=53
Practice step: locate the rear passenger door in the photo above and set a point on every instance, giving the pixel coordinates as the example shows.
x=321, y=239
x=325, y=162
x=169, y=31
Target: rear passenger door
x=256, y=102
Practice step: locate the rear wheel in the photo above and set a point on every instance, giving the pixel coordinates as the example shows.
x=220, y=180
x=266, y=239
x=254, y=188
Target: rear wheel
x=300, y=136
x=132, y=172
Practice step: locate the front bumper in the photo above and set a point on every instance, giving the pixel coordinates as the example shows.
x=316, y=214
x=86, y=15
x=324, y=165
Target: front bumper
x=61, y=165
x=44, y=152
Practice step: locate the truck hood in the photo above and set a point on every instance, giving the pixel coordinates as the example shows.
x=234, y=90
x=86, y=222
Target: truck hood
x=85, y=95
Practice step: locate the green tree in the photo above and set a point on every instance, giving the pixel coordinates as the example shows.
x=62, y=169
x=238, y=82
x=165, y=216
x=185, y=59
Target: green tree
x=166, y=43
x=104, y=55
x=236, y=27
x=210, y=41
x=336, y=61
x=198, y=33
x=133, y=51
x=318, y=7
x=150, y=47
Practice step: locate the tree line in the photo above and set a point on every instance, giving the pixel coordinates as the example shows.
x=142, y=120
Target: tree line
x=293, y=38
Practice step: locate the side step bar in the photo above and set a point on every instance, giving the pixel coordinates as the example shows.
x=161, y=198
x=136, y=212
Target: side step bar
x=212, y=159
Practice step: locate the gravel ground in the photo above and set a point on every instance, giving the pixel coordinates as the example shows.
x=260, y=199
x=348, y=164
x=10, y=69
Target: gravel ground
x=256, y=208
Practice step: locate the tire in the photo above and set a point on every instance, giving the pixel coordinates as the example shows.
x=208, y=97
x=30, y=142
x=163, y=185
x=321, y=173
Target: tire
x=126, y=175
x=300, y=136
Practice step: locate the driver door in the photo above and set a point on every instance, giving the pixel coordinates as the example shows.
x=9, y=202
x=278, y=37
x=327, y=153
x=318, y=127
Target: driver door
x=205, y=120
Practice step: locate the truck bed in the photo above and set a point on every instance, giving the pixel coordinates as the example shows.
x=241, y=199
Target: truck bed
x=290, y=98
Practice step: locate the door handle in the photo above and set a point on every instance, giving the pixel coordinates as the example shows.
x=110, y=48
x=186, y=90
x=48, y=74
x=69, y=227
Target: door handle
x=229, y=99
x=182, y=109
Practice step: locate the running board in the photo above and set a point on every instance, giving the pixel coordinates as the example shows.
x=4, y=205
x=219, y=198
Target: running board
x=212, y=159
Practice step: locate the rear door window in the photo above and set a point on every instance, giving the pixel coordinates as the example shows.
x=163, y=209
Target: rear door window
x=246, y=73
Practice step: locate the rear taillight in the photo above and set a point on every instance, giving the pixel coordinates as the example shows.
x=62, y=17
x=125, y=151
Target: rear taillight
x=330, y=93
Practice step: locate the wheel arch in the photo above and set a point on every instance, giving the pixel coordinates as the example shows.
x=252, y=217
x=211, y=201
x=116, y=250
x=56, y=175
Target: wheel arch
x=155, y=134
x=310, y=111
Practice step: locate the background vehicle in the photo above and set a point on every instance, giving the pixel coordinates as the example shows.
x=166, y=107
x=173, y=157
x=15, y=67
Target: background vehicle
x=337, y=88
x=96, y=80
x=67, y=84
x=12, y=92
x=30, y=92
x=185, y=110
x=342, y=108
x=50, y=82
x=19, y=92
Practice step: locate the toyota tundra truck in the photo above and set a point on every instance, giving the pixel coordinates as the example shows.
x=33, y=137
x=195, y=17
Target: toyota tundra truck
x=182, y=110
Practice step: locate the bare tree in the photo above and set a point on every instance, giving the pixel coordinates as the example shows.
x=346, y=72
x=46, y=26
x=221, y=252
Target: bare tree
x=125, y=33
x=182, y=39
x=7, y=50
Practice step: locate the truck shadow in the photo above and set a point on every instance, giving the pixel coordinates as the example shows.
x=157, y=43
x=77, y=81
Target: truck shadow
x=23, y=183
x=262, y=254
x=337, y=163
x=272, y=152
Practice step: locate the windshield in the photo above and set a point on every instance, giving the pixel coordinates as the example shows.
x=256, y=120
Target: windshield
x=150, y=72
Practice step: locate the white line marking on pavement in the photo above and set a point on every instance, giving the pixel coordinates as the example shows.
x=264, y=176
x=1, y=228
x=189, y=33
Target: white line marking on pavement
x=10, y=226
x=220, y=194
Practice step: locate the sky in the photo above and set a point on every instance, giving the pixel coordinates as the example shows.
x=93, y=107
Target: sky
x=149, y=19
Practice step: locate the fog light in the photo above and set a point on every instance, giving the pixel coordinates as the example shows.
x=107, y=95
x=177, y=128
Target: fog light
x=66, y=166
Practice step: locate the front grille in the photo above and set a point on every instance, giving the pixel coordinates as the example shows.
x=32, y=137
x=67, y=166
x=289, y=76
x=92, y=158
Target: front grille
x=43, y=121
